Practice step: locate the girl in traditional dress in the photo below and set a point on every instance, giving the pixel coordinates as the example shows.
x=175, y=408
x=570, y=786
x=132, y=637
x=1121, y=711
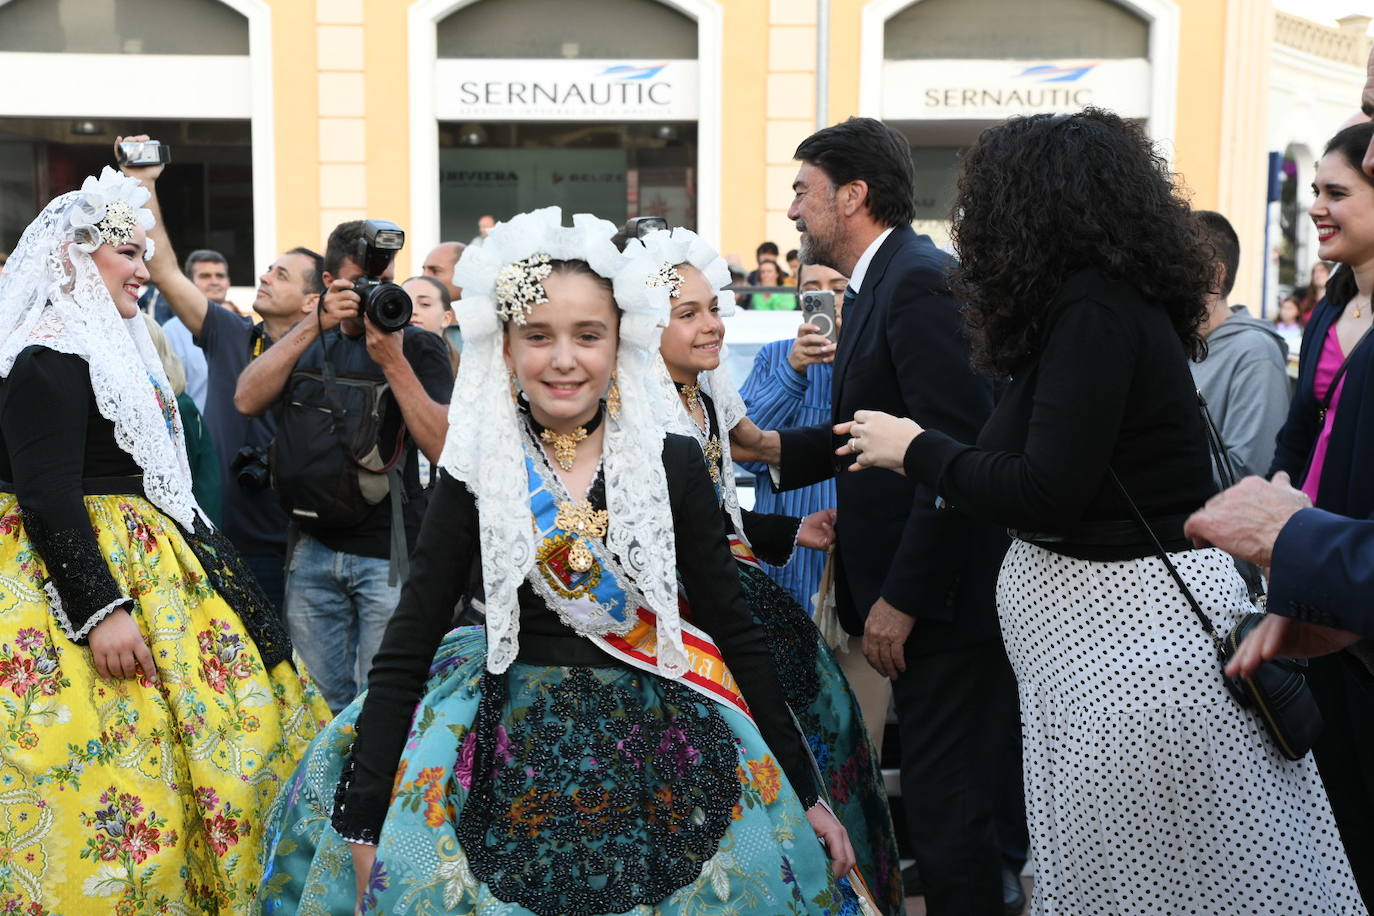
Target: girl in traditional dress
x=706, y=406
x=587, y=751
x=149, y=710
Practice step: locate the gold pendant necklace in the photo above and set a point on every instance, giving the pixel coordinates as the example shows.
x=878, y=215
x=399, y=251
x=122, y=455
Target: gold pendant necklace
x=564, y=445
x=691, y=396
x=581, y=519
x=714, y=453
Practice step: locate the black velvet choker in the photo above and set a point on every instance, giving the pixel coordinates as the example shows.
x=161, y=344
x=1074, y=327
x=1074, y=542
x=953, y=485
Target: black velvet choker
x=564, y=444
x=539, y=428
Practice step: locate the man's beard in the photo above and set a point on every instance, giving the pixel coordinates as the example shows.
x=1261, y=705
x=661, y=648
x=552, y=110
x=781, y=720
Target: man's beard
x=816, y=250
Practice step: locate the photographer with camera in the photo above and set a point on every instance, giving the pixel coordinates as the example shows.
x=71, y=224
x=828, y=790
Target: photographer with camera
x=356, y=392
x=288, y=291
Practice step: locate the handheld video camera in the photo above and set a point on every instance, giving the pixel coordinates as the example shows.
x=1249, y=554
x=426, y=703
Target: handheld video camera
x=385, y=304
x=636, y=227
x=140, y=153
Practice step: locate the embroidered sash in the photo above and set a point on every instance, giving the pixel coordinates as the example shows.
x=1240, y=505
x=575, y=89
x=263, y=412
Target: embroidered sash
x=602, y=604
x=742, y=552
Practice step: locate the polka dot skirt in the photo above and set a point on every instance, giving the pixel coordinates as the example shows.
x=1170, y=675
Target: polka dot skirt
x=1148, y=790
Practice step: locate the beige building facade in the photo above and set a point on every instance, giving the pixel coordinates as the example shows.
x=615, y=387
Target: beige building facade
x=287, y=116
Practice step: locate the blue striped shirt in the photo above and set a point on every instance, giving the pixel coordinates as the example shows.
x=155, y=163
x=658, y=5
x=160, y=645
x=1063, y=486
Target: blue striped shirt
x=776, y=397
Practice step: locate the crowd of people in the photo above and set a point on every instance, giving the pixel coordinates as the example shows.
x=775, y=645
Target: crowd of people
x=460, y=611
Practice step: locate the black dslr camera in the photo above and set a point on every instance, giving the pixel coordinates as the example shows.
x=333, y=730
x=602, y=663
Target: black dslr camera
x=386, y=304
x=250, y=467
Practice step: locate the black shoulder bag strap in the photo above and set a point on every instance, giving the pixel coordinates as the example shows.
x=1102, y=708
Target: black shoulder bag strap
x=1169, y=565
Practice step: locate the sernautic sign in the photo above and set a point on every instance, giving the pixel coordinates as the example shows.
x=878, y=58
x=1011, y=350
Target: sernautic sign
x=508, y=89
x=995, y=89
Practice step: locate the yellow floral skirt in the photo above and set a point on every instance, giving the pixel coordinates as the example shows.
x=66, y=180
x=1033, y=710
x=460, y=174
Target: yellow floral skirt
x=125, y=796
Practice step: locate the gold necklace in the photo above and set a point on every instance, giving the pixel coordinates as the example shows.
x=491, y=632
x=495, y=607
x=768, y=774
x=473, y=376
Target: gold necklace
x=691, y=396
x=582, y=520
x=714, y=453
x=564, y=445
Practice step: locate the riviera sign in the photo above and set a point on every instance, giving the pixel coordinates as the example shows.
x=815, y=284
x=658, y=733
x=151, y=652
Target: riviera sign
x=996, y=89
x=508, y=89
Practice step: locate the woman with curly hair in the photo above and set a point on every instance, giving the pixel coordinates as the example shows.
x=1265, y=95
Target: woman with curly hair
x=1148, y=789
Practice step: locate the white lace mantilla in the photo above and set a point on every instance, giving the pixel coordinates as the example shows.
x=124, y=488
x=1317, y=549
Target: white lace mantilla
x=52, y=295
x=640, y=280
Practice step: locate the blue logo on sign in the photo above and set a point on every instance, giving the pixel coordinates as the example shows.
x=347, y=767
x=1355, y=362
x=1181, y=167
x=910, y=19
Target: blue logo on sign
x=1049, y=73
x=628, y=72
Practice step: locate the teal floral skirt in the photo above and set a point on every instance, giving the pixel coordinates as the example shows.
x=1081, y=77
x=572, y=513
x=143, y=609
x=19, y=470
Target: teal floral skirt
x=557, y=790
x=828, y=712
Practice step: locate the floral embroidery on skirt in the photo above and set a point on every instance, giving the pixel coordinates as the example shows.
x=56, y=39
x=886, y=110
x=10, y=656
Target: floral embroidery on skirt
x=750, y=849
x=125, y=796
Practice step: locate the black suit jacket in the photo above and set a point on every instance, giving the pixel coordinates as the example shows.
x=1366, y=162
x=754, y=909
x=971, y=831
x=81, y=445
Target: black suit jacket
x=903, y=351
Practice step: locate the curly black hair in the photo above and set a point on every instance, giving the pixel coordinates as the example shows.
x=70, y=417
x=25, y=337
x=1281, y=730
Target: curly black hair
x=1042, y=197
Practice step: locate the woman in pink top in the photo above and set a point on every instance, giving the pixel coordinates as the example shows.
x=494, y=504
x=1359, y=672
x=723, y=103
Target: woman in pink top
x=1327, y=447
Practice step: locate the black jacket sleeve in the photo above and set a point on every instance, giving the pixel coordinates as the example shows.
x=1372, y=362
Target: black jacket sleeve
x=808, y=457
x=43, y=416
x=772, y=537
x=1084, y=379
x=1323, y=571
x=439, y=576
x=924, y=333
x=711, y=580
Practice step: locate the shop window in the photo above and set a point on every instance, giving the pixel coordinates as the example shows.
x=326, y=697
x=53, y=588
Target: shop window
x=206, y=192
x=613, y=170
x=601, y=29
x=123, y=27
x=1025, y=30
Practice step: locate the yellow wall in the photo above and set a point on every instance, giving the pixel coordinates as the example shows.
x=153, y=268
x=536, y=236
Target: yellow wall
x=388, y=123
x=744, y=89
x=296, y=106
x=1201, y=69
x=342, y=113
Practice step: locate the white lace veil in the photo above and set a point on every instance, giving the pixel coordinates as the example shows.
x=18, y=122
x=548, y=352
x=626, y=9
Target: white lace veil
x=52, y=295
x=648, y=257
x=483, y=448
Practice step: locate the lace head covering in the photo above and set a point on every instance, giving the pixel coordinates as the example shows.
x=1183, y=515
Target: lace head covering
x=52, y=295
x=652, y=275
x=500, y=282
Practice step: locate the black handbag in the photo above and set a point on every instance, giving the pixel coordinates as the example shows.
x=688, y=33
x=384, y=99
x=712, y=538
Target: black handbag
x=1278, y=692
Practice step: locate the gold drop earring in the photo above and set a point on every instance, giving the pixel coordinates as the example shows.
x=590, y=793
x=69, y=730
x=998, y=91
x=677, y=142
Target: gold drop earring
x=514, y=389
x=613, y=399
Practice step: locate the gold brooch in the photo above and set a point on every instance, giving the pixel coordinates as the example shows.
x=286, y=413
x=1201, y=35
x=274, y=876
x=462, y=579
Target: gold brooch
x=564, y=445
x=691, y=396
x=581, y=519
x=714, y=454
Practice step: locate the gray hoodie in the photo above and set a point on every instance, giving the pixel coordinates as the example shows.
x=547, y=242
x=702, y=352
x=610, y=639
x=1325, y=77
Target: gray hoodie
x=1245, y=382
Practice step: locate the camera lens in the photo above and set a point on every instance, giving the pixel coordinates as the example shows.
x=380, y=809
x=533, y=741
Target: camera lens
x=388, y=306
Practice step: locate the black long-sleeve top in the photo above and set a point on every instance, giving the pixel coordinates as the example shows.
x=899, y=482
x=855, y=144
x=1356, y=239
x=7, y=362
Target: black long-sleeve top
x=1110, y=388
x=52, y=436
x=440, y=572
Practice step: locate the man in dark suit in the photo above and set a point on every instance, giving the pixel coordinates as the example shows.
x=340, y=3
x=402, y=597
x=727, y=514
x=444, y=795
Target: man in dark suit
x=916, y=580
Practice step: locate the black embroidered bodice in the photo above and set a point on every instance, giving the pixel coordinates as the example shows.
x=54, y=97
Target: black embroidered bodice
x=54, y=445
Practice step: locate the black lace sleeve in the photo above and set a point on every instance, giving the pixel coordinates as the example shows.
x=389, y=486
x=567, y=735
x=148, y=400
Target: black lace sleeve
x=43, y=412
x=711, y=579
x=439, y=572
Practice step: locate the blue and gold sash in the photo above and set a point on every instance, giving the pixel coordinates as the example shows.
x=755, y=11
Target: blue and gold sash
x=598, y=599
